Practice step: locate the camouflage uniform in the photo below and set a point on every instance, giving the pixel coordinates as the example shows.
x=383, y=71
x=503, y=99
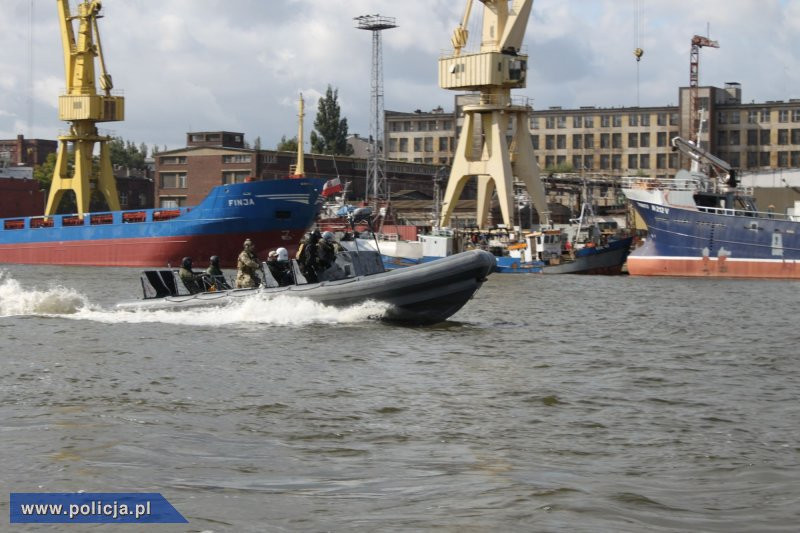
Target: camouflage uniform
x=247, y=265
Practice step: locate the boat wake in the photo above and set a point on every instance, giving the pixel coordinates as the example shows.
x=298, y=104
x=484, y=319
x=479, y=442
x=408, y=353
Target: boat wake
x=16, y=300
x=59, y=301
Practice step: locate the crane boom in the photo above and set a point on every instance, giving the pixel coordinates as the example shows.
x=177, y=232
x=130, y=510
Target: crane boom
x=460, y=34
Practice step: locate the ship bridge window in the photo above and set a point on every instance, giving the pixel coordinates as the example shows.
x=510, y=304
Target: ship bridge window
x=283, y=215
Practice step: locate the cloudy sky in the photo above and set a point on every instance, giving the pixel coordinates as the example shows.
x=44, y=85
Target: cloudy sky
x=240, y=65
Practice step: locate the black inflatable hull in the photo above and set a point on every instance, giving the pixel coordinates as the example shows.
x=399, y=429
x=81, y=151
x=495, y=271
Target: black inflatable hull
x=421, y=294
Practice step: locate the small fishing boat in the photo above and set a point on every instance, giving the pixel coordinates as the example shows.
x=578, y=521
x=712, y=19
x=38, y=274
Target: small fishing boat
x=420, y=294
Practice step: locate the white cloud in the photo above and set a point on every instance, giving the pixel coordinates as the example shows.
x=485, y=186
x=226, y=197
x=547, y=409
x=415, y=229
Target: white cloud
x=240, y=64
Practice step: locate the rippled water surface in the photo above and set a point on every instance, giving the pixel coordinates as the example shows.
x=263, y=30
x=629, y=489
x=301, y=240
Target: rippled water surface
x=547, y=404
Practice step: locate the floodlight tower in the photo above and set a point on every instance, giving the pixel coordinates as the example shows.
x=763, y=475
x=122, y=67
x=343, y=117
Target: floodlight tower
x=376, y=174
x=482, y=149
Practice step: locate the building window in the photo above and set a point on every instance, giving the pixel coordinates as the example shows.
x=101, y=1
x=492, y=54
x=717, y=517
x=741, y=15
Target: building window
x=763, y=158
x=795, y=136
x=783, y=159
x=673, y=119
x=661, y=160
x=661, y=138
x=795, y=115
x=588, y=162
x=549, y=161
x=605, y=140
x=588, y=140
x=752, y=116
x=673, y=160
x=550, y=142
x=735, y=117
x=535, y=140
x=534, y=123
x=633, y=120
x=644, y=119
x=752, y=137
x=403, y=144
x=734, y=137
x=644, y=161
x=733, y=159
x=616, y=121
x=237, y=158
x=173, y=180
x=616, y=162
x=783, y=137
x=171, y=202
x=172, y=160
x=407, y=125
x=561, y=159
x=123, y=199
x=722, y=138
x=605, y=121
x=443, y=144
x=588, y=122
x=764, y=135
x=429, y=144
x=764, y=115
x=550, y=123
x=616, y=140
x=270, y=159
x=644, y=140
x=393, y=144
x=234, y=176
x=561, y=122
x=795, y=159
x=422, y=125
x=577, y=121
x=633, y=141
x=605, y=162
x=417, y=144
x=722, y=117
x=661, y=119
x=752, y=159
x=561, y=142
x=577, y=164
x=577, y=142
x=633, y=161
x=783, y=115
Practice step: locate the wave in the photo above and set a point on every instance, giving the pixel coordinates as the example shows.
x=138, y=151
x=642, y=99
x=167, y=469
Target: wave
x=280, y=310
x=16, y=300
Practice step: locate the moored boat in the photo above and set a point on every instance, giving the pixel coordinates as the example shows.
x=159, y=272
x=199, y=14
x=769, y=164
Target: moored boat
x=701, y=226
x=272, y=213
x=420, y=294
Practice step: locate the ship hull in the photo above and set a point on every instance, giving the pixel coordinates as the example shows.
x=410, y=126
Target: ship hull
x=719, y=243
x=272, y=213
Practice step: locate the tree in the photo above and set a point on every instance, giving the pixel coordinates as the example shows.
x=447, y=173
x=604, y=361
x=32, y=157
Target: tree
x=126, y=154
x=287, y=145
x=330, y=135
x=257, y=143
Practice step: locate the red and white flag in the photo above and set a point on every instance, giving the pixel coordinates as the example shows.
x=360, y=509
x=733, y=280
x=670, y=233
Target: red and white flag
x=331, y=187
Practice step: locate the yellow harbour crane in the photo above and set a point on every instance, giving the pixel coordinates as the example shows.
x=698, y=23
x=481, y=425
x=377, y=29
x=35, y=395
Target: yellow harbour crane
x=482, y=148
x=83, y=107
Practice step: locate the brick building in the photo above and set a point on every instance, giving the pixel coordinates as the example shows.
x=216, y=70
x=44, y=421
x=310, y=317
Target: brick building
x=26, y=152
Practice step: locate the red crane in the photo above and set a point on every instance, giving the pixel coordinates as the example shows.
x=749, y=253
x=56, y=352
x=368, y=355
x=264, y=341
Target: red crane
x=698, y=41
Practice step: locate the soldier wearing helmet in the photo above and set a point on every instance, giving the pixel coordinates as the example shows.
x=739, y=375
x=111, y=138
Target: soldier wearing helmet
x=191, y=281
x=214, y=275
x=247, y=266
x=326, y=252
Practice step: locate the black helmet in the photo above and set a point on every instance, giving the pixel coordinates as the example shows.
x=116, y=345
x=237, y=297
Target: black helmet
x=187, y=262
x=214, y=260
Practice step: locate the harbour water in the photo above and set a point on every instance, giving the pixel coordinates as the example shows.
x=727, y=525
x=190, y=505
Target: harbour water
x=549, y=403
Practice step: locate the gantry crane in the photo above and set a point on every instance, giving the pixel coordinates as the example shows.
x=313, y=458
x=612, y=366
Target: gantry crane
x=84, y=108
x=698, y=41
x=497, y=68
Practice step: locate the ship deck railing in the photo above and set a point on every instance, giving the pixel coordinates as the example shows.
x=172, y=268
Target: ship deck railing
x=133, y=216
x=746, y=213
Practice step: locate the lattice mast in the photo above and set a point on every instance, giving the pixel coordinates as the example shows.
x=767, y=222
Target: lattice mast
x=698, y=41
x=377, y=186
x=482, y=148
x=83, y=107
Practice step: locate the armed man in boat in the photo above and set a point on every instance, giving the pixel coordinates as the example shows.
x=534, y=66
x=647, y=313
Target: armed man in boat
x=307, y=255
x=280, y=267
x=215, y=276
x=247, y=266
x=192, y=281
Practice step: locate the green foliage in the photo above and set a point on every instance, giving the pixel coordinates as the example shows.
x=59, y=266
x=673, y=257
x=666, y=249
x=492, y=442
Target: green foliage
x=561, y=168
x=126, y=154
x=330, y=132
x=44, y=173
x=287, y=145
